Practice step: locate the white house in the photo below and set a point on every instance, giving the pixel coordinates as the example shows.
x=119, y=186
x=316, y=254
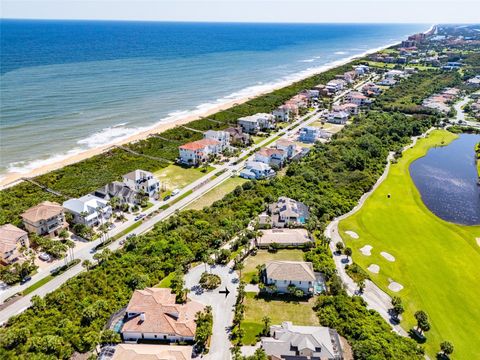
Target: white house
x=152, y=314
x=357, y=98
x=271, y=156
x=283, y=274
x=223, y=137
x=88, y=210
x=257, y=170
x=142, y=181
x=361, y=70
x=196, y=152
x=351, y=108
x=288, y=341
x=289, y=147
x=258, y=122
x=309, y=134
x=337, y=117
x=336, y=85
x=285, y=113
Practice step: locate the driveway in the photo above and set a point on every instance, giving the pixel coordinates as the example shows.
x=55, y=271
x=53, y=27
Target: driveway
x=222, y=306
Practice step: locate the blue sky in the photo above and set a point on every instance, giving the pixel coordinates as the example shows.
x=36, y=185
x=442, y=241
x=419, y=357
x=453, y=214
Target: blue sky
x=424, y=11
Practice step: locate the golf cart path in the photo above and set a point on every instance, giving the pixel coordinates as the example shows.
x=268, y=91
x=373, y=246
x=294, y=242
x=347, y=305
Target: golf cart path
x=375, y=297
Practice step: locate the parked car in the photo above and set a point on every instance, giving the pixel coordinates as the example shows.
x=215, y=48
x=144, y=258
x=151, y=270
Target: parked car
x=166, y=198
x=130, y=236
x=44, y=257
x=175, y=192
x=25, y=279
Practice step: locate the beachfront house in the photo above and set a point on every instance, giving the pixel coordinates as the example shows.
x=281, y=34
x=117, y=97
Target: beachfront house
x=258, y=122
x=284, y=238
x=238, y=137
x=285, y=113
x=11, y=240
x=118, y=190
x=288, y=341
x=309, y=134
x=88, y=210
x=197, y=152
x=337, y=117
x=255, y=170
x=336, y=85
x=285, y=275
x=288, y=147
x=271, y=156
x=361, y=70
x=223, y=137
x=287, y=212
x=46, y=218
x=153, y=315
x=142, y=182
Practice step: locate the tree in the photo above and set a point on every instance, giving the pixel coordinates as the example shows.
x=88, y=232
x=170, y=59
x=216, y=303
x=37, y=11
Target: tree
x=361, y=286
x=240, y=266
x=348, y=252
x=266, y=325
x=447, y=348
x=339, y=247
x=422, y=321
x=63, y=234
x=398, y=308
x=87, y=264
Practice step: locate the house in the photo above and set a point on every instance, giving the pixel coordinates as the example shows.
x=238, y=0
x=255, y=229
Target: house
x=152, y=314
x=284, y=237
x=288, y=341
x=322, y=90
x=256, y=170
x=300, y=100
x=351, y=108
x=151, y=352
x=221, y=136
x=118, y=190
x=88, y=210
x=11, y=240
x=142, y=182
x=474, y=82
x=271, y=156
x=361, y=70
x=309, y=134
x=357, y=98
x=394, y=74
x=47, y=218
x=387, y=82
x=348, y=77
x=336, y=85
x=285, y=274
x=258, y=122
x=289, y=147
x=288, y=212
x=370, y=89
x=337, y=117
x=286, y=112
x=197, y=152
x=237, y=136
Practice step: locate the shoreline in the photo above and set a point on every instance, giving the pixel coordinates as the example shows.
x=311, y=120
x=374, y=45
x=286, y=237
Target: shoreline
x=12, y=178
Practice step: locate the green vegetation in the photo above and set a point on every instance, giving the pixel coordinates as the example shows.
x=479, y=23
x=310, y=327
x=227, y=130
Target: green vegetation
x=210, y=281
x=216, y=193
x=204, y=321
x=436, y=261
x=38, y=284
x=263, y=256
x=301, y=312
x=126, y=231
x=176, y=177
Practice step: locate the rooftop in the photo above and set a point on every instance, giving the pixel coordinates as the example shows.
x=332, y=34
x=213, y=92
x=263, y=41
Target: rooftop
x=290, y=270
x=42, y=211
x=151, y=352
x=284, y=236
x=9, y=235
x=199, y=144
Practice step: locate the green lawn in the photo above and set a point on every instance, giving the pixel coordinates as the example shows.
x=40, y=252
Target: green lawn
x=38, y=284
x=300, y=313
x=176, y=177
x=437, y=262
x=166, y=281
x=264, y=256
x=216, y=193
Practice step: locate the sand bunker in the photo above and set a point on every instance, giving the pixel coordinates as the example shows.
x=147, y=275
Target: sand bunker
x=478, y=241
x=388, y=256
x=374, y=268
x=352, y=234
x=366, y=250
x=395, y=287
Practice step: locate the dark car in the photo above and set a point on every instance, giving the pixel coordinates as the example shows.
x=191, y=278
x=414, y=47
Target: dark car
x=25, y=280
x=166, y=198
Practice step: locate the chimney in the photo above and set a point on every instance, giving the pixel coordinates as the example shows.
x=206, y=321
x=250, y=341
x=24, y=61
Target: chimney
x=142, y=317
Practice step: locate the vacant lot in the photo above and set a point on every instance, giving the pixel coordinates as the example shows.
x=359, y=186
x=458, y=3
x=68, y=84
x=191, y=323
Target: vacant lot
x=216, y=193
x=436, y=261
x=300, y=313
x=176, y=177
x=263, y=256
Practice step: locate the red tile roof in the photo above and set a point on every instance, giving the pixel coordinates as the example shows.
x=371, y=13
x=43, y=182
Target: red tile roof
x=199, y=144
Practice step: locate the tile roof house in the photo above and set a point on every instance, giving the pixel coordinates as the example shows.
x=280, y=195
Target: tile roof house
x=283, y=274
x=286, y=112
x=287, y=212
x=88, y=210
x=289, y=147
x=222, y=136
x=351, y=108
x=288, y=341
x=284, y=237
x=237, y=136
x=142, y=181
x=46, y=218
x=257, y=170
x=197, y=152
x=152, y=314
x=271, y=156
x=357, y=98
x=152, y=352
x=11, y=240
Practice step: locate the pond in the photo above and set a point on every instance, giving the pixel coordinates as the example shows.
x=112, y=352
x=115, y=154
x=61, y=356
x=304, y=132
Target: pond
x=447, y=180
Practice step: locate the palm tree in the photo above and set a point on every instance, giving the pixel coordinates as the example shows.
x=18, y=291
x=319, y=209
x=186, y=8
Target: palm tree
x=422, y=321
x=87, y=264
x=447, y=348
x=240, y=266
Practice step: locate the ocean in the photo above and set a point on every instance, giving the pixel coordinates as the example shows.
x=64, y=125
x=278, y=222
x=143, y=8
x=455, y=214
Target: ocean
x=70, y=86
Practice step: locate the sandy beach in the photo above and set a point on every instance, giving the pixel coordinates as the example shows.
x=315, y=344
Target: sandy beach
x=12, y=178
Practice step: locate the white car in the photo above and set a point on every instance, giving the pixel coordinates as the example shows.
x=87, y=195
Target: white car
x=44, y=257
x=175, y=192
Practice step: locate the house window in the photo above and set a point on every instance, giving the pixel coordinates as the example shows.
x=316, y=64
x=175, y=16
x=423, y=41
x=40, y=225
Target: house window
x=299, y=282
x=155, y=336
x=284, y=281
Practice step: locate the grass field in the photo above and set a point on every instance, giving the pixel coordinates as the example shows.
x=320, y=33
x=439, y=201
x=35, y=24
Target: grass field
x=176, y=177
x=437, y=262
x=264, y=256
x=300, y=313
x=216, y=193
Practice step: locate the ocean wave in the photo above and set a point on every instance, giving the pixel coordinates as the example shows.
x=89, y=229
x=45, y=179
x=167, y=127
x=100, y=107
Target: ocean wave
x=340, y=52
x=307, y=60
x=24, y=167
x=109, y=135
